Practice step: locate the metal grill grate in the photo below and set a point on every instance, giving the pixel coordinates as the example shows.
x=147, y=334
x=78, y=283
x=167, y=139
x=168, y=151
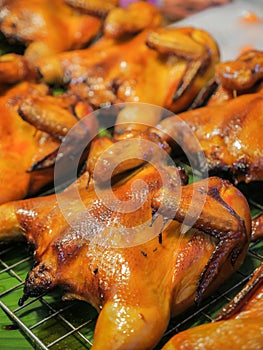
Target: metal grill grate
x=49, y=323
x=46, y=321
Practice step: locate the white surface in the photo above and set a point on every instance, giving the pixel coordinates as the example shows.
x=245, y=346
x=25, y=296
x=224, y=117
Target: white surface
x=226, y=24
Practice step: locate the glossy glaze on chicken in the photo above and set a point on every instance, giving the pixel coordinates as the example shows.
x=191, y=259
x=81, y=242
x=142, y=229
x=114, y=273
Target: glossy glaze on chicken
x=135, y=268
x=229, y=134
x=140, y=266
x=239, y=325
x=41, y=24
x=32, y=126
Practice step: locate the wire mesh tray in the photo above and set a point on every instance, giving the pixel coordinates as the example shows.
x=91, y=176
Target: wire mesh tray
x=47, y=322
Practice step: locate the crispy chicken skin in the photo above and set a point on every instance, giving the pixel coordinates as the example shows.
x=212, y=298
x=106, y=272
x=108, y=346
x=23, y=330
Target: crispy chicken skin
x=21, y=145
x=229, y=134
x=240, y=325
x=130, y=267
x=32, y=126
x=162, y=66
x=241, y=76
x=131, y=60
x=132, y=19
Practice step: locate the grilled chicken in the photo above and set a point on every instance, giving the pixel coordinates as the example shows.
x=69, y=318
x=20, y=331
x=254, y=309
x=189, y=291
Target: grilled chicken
x=229, y=134
x=257, y=228
x=241, y=76
x=94, y=7
x=119, y=249
x=176, y=62
x=21, y=145
x=46, y=26
x=32, y=125
x=239, y=326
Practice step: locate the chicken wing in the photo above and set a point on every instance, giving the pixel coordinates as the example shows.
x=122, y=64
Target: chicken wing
x=134, y=270
x=27, y=142
x=241, y=76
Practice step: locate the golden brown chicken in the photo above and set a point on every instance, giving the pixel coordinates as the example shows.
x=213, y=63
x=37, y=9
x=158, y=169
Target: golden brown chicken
x=239, y=326
x=135, y=268
x=15, y=68
x=52, y=20
x=46, y=26
x=21, y=146
x=241, y=76
x=243, y=73
x=128, y=63
x=257, y=228
x=25, y=145
x=229, y=134
x=95, y=7
x=132, y=19
x=137, y=61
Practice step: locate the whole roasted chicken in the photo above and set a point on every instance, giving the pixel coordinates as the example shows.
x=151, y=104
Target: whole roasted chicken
x=135, y=55
x=128, y=249
x=32, y=125
x=134, y=59
x=239, y=326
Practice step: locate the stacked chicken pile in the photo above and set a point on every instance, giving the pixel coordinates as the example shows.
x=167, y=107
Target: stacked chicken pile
x=139, y=254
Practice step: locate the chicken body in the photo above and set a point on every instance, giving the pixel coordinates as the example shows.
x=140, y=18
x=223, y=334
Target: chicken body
x=135, y=270
x=40, y=25
x=176, y=61
x=229, y=134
